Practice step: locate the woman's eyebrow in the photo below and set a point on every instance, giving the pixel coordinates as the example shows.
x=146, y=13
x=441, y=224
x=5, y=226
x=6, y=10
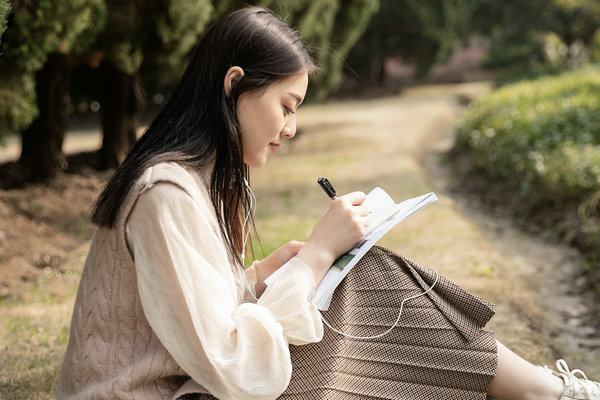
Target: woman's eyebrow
x=297, y=97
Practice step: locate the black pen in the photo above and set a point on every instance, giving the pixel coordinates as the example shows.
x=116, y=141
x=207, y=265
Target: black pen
x=327, y=187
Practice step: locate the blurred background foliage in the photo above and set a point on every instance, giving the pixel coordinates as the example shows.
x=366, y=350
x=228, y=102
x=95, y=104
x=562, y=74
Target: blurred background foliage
x=63, y=56
x=117, y=56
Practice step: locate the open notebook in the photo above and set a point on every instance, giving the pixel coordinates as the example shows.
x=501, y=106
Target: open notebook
x=384, y=214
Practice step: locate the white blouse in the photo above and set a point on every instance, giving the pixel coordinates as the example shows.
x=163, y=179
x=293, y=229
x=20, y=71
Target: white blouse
x=192, y=299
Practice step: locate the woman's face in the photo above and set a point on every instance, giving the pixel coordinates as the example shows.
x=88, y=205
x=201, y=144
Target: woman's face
x=268, y=115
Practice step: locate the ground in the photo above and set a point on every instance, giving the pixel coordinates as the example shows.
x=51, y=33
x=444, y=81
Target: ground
x=41, y=225
x=393, y=142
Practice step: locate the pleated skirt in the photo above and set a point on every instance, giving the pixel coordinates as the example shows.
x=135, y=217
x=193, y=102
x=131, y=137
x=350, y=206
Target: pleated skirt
x=438, y=350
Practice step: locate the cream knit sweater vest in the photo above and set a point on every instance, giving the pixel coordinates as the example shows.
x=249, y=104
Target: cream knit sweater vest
x=112, y=351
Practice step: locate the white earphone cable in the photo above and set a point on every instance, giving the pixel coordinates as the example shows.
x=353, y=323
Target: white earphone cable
x=251, y=210
x=246, y=233
x=397, y=319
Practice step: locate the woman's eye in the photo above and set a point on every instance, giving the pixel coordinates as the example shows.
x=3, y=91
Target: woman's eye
x=288, y=110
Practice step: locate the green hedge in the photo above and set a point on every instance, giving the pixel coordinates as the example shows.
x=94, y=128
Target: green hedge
x=539, y=141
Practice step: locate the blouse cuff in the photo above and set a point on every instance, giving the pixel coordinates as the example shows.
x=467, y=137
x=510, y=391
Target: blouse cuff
x=288, y=298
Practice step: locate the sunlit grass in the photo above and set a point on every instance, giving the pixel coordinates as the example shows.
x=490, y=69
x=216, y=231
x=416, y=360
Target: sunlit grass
x=35, y=331
x=33, y=340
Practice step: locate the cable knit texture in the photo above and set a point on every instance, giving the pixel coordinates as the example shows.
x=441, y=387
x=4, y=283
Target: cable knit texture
x=175, y=321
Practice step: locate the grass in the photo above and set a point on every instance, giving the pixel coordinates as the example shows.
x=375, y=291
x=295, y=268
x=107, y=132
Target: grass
x=33, y=340
x=35, y=331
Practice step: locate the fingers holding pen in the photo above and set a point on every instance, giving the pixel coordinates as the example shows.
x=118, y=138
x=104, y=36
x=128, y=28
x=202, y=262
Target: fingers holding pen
x=350, y=218
x=353, y=215
x=342, y=227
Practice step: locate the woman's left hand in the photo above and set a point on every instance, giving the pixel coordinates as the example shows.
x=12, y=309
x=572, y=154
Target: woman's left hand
x=268, y=265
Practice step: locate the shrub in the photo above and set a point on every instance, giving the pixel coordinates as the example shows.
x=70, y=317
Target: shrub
x=540, y=139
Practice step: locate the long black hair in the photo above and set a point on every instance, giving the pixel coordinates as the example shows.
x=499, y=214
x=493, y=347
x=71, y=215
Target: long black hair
x=199, y=123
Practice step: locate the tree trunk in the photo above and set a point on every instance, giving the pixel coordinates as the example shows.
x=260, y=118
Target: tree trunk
x=41, y=153
x=381, y=72
x=121, y=101
x=374, y=74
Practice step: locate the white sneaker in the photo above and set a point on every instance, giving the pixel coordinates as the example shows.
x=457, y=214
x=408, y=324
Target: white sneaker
x=576, y=388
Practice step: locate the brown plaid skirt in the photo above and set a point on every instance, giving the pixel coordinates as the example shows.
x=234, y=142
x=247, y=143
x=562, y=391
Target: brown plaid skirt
x=438, y=350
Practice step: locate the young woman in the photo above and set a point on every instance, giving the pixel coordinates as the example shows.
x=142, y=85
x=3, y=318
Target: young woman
x=165, y=309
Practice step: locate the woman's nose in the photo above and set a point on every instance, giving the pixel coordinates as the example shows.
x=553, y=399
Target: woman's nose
x=289, y=130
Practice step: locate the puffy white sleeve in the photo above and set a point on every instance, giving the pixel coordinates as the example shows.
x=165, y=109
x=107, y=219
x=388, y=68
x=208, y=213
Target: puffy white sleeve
x=187, y=291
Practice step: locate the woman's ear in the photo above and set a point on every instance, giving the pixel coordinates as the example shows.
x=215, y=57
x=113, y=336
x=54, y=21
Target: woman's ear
x=232, y=77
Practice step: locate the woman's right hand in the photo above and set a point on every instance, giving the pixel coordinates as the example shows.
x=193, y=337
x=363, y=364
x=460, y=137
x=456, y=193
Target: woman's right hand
x=339, y=230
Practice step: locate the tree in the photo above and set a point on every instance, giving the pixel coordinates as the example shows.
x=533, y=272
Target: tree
x=156, y=34
x=422, y=32
x=4, y=11
x=38, y=43
x=576, y=23
x=514, y=28
x=17, y=96
x=129, y=40
x=350, y=23
x=152, y=41
x=330, y=28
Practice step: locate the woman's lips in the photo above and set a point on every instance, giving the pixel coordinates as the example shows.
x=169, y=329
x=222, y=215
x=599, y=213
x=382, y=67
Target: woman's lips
x=273, y=146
